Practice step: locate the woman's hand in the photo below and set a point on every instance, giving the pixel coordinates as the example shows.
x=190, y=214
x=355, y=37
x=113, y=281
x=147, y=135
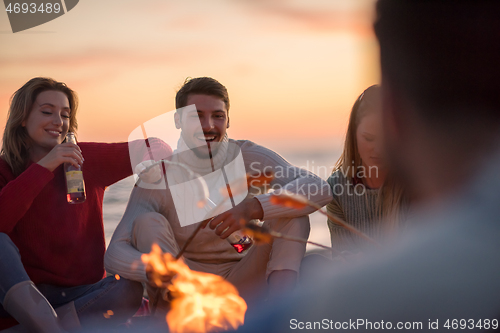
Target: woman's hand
x=62, y=153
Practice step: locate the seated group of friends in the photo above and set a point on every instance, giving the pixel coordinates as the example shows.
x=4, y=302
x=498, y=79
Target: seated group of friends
x=53, y=254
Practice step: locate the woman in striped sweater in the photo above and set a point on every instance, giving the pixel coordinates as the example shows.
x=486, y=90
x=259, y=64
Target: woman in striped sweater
x=364, y=195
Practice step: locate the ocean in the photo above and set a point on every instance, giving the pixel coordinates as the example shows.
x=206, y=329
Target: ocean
x=319, y=162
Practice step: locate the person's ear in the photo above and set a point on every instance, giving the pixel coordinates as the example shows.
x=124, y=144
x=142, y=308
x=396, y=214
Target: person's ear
x=23, y=124
x=177, y=119
x=227, y=122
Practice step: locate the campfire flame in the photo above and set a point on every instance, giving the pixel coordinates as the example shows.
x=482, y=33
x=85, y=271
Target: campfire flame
x=202, y=302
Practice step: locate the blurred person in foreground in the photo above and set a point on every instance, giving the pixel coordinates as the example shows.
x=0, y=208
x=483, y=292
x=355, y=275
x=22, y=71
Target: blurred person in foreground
x=441, y=98
x=159, y=215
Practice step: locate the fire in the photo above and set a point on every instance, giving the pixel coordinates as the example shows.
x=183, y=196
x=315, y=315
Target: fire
x=202, y=302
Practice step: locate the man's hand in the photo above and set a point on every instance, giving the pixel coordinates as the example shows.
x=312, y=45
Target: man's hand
x=158, y=280
x=235, y=218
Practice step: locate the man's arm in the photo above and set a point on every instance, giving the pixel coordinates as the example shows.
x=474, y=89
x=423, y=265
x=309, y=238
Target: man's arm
x=287, y=177
x=121, y=257
x=292, y=179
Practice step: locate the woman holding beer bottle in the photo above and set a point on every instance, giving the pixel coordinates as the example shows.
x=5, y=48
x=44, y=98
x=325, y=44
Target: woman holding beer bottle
x=51, y=251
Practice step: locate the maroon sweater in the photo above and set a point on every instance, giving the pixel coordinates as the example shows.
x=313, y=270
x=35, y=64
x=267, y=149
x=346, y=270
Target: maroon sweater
x=60, y=243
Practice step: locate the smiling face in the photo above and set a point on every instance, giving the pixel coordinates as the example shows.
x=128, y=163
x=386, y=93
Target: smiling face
x=48, y=122
x=204, y=128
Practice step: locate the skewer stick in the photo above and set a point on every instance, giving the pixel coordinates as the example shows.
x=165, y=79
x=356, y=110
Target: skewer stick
x=299, y=240
x=190, y=239
x=346, y=225
x=297, y=201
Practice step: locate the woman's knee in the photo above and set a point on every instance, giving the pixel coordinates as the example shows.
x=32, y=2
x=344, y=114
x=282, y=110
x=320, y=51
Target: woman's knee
x=11, y=265
x=5, y=241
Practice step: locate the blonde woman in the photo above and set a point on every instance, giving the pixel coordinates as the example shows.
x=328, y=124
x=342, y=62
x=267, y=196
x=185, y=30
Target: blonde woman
x=51, y=252
x=364, y=194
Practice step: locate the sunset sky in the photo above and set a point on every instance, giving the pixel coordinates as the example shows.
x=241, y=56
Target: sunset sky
x=293, y=68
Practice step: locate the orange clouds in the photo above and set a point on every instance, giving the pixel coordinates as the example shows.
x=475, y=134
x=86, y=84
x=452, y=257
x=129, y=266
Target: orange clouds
x=298, y=63
x=318, y=16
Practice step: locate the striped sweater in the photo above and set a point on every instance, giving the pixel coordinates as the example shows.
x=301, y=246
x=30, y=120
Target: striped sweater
x=357, y=205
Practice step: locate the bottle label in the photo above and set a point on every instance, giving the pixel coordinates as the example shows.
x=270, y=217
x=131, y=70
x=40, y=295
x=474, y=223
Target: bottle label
x=74, y=179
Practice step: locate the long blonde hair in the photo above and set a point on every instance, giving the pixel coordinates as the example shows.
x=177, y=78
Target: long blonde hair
x=391, y=195
x=16, y=141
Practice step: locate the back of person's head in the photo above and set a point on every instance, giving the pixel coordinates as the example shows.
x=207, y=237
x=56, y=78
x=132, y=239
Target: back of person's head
x=443, y=58
x=16, y=140
x=201, y=86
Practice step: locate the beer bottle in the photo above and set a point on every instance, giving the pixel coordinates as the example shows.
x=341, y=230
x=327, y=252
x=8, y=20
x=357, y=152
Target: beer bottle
x=74, y=178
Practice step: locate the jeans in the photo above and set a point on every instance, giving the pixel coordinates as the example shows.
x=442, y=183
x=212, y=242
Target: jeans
x=93, y=302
